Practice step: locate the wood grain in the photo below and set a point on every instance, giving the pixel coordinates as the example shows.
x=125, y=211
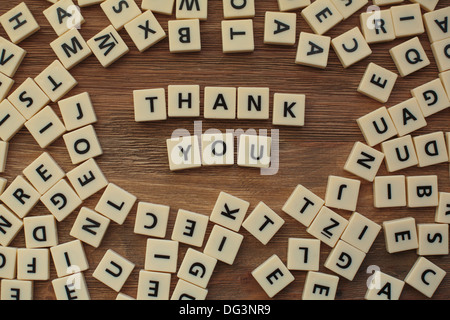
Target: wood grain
x=135, y=156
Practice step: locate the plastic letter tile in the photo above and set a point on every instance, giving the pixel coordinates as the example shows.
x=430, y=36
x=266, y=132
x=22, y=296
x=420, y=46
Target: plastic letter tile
x=120, y=12
x=44, y=173
x=63, y=16
x=280, y=28
x=431, y=148
x=86, y=3
x=253, y=103
x=303, y=205
x=425, y=276
x=320, y=286
x=145, y=31
x=384, y=287
x=184, y=153
x=400, y=235
x=389, y=191
x=217, y=149
x=20, y=196
x=10, y=226
x=187, y=290
x=45, y=127
x=11, y=121
x=71, y=48
x=197, y=268
x=233, y=9
x=153, y=285
x=19, y=23
x=223, y=244
x=441, y=54
x=77, y=111
x=184, y=36
x=237, y=36
x=407, y=20
x=442, y=214
x=11, y=57
x=108, y=46
x=8, y=257
x=377, y=26
x=364, y=161
x=4, y=146
x=33, y=264
x=55, y=81
x=348, y=7
x=82, y=144
x=407, y=117
x=69, y=258
x=313, y=50
x=377, y=82
x=220, y=103
x=321, y=16
x=190, y=228
x=342, y=193
x=87, y=179
x=409, y=57
x=40, y=231
x=229, y=211
x=151, y=219
x=361, y=232
x=183, y=100
x=90, y=227
x=289, y=109
x=328, y=226
x=436, y=24
x=28, y=98
x=6, y=84
x=433, y=239
x=61, y=200
x=345, y=260
x=254, y=151
x=113, y=270
x=303, y=254
x=272, y=275
x=399, y=153
x=351, y=47
x=161, y=255
x=16, y=289
x=150, y=105
x=188, y=9
x=72, y=287
x=422, y=191
x=162, y=7
x=115, y=203
x=431, y=97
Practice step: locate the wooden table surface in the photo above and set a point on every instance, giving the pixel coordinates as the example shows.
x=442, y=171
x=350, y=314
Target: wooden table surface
x=135, y=155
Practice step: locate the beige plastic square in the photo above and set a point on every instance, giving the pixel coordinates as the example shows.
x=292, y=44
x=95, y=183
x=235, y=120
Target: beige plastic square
x=40, y=231
x=20, y=196
x=364, y=161
x=377, y=82
x=254, y=151
x=361, y=232
x=441, y=54
x=351, y=47
x=229, y=211
x=33, y=264
x=442, y=214
x=407, y=117
x=433, y=239
x=289, y=109
x=151, y=219
x=280, y=28
x=44, y=172
x=71, y=48
x=63, y=16
x=16, y=289
x=82, y=144
x=6, y=84
x=345, y=260
x=400, y=235
x=86, y=3
x=185, y=9
x=431, y=97
x=320, y=286
x=328, y=226
x=77, y=111
x=342, y=193
x=303, y=205
x=223, y=244
x=377, y=26
x=237, y=36
x=217, y=149
x=407, y=20
x=11, y=57
x=90, y=227
x=145, y=31
x=348, y=8
x=61, y=200
x=3, y=182
x=386, y=2
x=253, y=103
x=113, y=270
x=161, y=255
x=409, y=57
x=237, y=10
x=190, y=228
x=399, y=153
x=120, y=12
x=159, y=6
x=72, y=287
x=389, y=191
x=55, y=81
x=183, y=100
x=425, y=276
x=123, y=296
x=115, y=203
x=4, y=146
x=273, y=276
x=9, y=227
x=436, y=24
x=427, y=5
x=321, y=16
x=28, y=98
x=150, y=105
x=384, y=287
x=186, y=290
x=184, y=153
x=19, y=23
x=303, y=254
x=153, y=285
x=197, y=268
x=11, y=121
x=8, y=259
x=313, y=50
x=289, y=5
x=431, y=148
x=87, y=179
x=69, y=258
x=263, y=223
x=219, y=102
x=184, y=36
x=108, y=46
x=45, y=127
x=422, y=191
